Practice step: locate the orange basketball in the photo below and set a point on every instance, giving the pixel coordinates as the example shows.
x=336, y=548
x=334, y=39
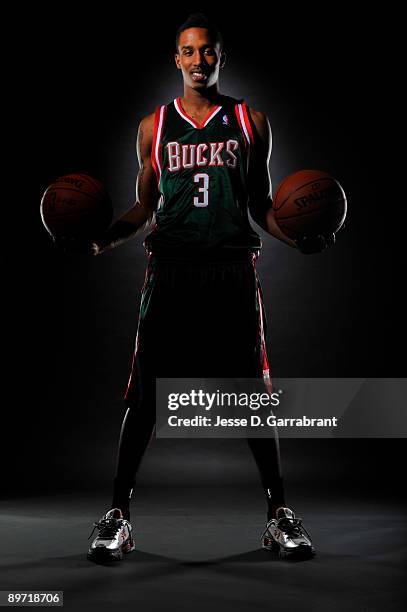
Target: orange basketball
x=76, y=206
x=309, y=202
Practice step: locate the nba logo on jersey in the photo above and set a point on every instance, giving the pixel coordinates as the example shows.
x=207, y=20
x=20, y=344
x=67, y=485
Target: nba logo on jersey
x=225, y=120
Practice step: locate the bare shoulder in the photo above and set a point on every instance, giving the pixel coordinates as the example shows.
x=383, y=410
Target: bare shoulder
x=261, y=123
x=257, y=115
x=147, y=125
x=147, y=122
x=145, y=135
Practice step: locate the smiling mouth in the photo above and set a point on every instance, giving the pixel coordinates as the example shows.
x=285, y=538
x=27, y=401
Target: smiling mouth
x=200, y=77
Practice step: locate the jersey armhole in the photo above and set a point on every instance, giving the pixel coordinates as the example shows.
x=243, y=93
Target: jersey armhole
x=243, y=120
x=156, y=156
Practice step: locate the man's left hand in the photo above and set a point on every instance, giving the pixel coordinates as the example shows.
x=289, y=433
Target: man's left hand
x=309, y=244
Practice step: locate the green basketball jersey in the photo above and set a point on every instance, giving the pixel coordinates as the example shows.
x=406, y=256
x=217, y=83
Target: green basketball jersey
x=201, y=171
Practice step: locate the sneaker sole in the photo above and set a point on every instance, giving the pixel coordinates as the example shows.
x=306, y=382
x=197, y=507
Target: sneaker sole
x=302, y=552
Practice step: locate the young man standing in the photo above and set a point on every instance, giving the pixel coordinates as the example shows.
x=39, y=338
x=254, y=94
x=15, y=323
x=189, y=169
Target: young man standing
x=203, y=164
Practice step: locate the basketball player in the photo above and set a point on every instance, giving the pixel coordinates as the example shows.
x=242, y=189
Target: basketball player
x=203, y=162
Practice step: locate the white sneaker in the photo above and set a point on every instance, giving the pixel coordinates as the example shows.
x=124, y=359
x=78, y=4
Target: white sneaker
x=114, y=538
x=286, y=535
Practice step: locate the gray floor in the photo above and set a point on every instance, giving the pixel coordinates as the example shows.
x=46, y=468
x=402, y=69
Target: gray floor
x=198, y=549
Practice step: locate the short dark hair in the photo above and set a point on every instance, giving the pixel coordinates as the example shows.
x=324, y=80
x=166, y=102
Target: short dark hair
x=199, y=20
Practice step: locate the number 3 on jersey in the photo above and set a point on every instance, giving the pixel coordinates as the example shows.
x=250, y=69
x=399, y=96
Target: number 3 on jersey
x=203, y=199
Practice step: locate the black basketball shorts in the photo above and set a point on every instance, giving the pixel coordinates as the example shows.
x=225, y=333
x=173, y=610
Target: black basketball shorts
x=198, y=319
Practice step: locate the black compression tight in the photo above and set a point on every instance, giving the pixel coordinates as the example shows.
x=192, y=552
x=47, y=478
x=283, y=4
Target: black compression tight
x=138, y=430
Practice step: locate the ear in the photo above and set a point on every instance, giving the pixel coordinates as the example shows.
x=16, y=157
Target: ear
x=222, y=60
x=177, y=61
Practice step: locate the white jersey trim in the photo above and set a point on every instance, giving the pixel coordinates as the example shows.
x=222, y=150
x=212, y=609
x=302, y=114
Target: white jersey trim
x=242, y=120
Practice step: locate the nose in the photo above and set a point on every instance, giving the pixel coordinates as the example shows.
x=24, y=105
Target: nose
x=197, y=58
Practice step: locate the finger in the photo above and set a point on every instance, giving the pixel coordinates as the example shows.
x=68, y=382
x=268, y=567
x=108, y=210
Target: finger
x=330, y=239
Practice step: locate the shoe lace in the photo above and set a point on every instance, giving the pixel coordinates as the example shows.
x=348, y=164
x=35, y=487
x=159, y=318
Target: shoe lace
x=292, y=527
x=107, y=528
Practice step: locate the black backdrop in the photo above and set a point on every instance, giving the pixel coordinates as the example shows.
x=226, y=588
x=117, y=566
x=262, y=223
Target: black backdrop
x=321, y=80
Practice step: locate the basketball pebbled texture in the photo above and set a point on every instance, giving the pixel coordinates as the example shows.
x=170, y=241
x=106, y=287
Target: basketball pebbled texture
x=309, y=202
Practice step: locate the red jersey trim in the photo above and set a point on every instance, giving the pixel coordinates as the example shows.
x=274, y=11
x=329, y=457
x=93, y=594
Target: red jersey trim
x=240, y=123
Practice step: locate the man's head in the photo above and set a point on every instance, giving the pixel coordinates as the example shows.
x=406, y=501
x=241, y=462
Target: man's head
x=199, y=52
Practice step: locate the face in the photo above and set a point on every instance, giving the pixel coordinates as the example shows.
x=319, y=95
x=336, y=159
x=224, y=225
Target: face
x=199, y=57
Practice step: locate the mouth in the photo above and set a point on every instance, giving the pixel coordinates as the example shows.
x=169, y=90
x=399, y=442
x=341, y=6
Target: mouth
x=198, y=76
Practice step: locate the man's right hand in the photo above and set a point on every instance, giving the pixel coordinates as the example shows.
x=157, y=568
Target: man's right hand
x=76, y=246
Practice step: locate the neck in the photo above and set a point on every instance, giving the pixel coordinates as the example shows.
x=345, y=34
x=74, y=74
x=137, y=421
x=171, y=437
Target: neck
x=201, y=99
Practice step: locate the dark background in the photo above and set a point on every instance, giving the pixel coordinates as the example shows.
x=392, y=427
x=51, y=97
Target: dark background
x=321, y=78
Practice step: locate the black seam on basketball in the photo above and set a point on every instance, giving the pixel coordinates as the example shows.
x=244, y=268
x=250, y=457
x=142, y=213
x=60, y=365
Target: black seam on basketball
x=327, y=178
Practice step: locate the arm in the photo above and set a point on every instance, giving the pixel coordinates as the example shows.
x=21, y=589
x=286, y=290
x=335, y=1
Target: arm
x=260, y=199
x=141, y=215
